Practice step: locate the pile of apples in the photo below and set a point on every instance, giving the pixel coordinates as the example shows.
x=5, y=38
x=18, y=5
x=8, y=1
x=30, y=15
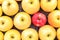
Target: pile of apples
x=18, y=25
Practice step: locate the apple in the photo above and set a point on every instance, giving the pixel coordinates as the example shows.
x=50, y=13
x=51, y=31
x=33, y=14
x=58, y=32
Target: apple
x=18, y=0
x=10, y=7
x=22, y=20
x=6, y=23
x=58, y=6
x=29, y=34
x=58, y=33
x=31, y=6
x=39, y=19
x=47, y=32
x=48, y=5
x=12, y=34
x=1, y=36
x=0, y=11
x=1, y=1
x=54, y=18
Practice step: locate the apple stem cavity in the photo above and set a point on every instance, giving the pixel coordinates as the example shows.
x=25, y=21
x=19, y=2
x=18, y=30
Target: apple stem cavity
x=2, y=23
x=31, y=2
x=49, y=0
x=12, y=37
x=38, y=18
x=48, y=35
x=58, y=18
x=9, y=4
x=30, y=36
x=22, y=19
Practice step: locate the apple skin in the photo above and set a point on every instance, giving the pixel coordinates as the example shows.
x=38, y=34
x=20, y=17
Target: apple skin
x=1, y=36
x=6, y=23
x=31, y=6
x=47, y=32
x=39, y=19
x=58, y=6
x=18, y=0
x=22, y=21
x=1, y=1
x=58, y=33
x=29, y=34
x=54, y=18
x=12, y=34
x=1, y=11
x=48, y=6
x=10, y=7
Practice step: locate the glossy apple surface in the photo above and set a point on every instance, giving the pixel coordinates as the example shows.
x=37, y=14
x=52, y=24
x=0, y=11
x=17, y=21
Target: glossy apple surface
x=39, y=19
x=47, y=32
x=1, y=36
x=1, y=11
x=29, y=34
x=18, y=0
x=58, y=33
x=12, y=34
x=54, y=18
x=48, y=5
x=1, y=1
x=6, y=23
x=31, y=6
x=10, y=7
x=58, y=6
x=22, y=20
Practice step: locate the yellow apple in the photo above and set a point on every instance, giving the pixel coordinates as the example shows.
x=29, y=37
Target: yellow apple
x=10, y=7
x=58, y=33
x=6, y=23
x=12, y=35
x=48, y=5
x=29, y=34
x=1, y=36
x=47, y=32
x=1, y=1
x=31, y=6
x=54, y=18
x=22, y=21
x=18, y=0
x=58, y=6
x=0, y=11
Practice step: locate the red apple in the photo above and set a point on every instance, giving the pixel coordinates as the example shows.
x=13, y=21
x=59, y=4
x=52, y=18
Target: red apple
x=39, y=19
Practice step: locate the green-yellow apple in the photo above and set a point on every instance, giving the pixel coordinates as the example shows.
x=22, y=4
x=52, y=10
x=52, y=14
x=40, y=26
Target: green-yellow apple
x=48, y=5
x=10, y=7
x=54, y=18
x=0, y=11
x=1, y=36
x=58, y=6
x=12, y=35
x=29, y=34
x=6, y=23
x=22, y=20
x=47, y=32
x=30, y=6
